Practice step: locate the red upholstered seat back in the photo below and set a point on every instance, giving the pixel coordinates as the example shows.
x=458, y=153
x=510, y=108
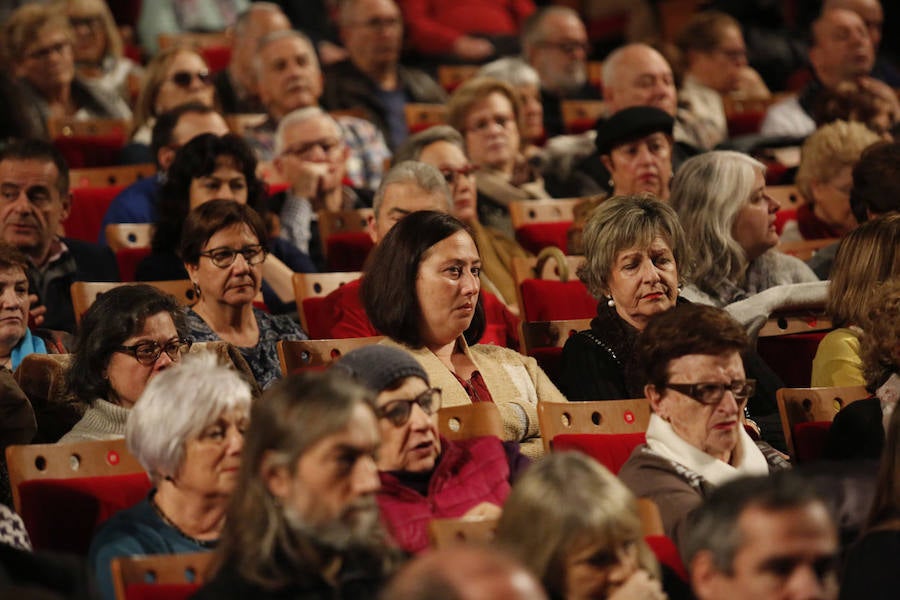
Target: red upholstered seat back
x=667, y=554
x=790, y=356
x=216, y=57
x=100, y=150
x=783, y=216
x=128, y=260
x=347, y=251
x=62, y=514
x=318, y=317
x=609, y=449
x=160, y=591
x=809, y=440
x=89, y=204
x=545, y=300
x=535, y=236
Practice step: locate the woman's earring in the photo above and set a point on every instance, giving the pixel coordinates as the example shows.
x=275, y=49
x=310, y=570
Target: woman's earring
x=196, y=288
x=610, y=303
x=612, y=184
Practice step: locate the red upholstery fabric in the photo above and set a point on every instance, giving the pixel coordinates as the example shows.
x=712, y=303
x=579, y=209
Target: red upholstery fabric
x=535, y=236
x=88, y=207
x=809, y=440
x=783, y=216
x=318, y=317
x=128, y=260
x=160, y=591
x=744, y=123
x=790, y=356
x=91, y=150
x=62, y=514
x=667, y=554
x=216, y=57
x=348, y=251
x=545, y=300
x=609, y=449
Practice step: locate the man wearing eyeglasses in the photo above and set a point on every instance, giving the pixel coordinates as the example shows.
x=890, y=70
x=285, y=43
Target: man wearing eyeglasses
x=423, y=475
x=39, y=44
x=371, y=78
x=312, y=156
x=34, y=199
x=555, y=43
x=697, y=390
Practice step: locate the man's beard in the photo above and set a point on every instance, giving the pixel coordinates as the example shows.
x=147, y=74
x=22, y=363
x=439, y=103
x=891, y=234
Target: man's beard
x=358, y=526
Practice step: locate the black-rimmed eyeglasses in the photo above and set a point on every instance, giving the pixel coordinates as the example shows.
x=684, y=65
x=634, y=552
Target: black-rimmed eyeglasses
x=712, y=392
x=398, y=411
x=147, y=353
x=224, y=257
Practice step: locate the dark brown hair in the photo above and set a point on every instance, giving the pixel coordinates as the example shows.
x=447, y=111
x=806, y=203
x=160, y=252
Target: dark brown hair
x=211, y=217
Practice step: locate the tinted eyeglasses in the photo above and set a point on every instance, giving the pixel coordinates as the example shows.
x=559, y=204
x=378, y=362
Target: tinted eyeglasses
x=451, y=176
x=225, y=257
x=184, y=79
x=710, y=393
x=398, y=411
x=147, y=353
x=48, y=51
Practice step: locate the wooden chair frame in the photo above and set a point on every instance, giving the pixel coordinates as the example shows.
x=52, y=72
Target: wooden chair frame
x=804, y=249
x=85, y=292
x=452, y=76
x=796, y=322
x=161, y=569
x=421, y=116
x=110, y=176
x=129, y=235
x=598, y=416
x=526, y=212
x=65, y=461
x=550, y=334
x=447, y=532
x=67, y=127
x=302, y=354
x=574, y=111
x=470, y=420
x=342, y=221
x=318, y=285
x=807, y=405
x=788, y=196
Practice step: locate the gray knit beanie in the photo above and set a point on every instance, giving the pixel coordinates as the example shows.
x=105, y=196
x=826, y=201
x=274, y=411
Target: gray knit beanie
x=378, y=367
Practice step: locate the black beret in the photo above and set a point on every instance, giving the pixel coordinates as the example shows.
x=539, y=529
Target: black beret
x=631, y=124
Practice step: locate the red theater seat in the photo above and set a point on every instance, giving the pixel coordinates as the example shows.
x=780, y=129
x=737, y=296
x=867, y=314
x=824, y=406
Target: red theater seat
x=609, y=449
x=86, y=214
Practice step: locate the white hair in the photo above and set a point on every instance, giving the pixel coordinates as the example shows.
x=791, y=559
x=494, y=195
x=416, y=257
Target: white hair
x=299, y=116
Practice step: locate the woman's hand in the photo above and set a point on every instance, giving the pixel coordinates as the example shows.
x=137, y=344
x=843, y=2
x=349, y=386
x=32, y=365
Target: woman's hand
x=639, y=586
x=485, y=510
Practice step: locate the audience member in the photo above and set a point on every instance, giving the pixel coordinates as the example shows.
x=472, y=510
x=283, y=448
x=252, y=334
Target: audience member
x=635, y=146
x=98, y=48
x=868, y=256
x=463, y=572
x=431, y=308
x=372, y=78
x=443, y=148
x=872, y=15
x=173, y=129
x=290, y=79
x=223, y=248
x=487, y=114
x=721, y=200
x=867, y=573
x=555, y=43
x=237, y=85
x=311, y=155
x=175, y=76
x=187, y=431
x=858, y=430
x=173, y=16
x=423, y=475
x=471, y=31
x=305, y=521
x=211, y=167
x=841, y=51
x=34, y=180
x=697, y=390
x=848, y=101
x=566, y=512
x=715, y=65
x=763, y=537
x=38, y=43
x=525, y=80
x=408, y=187
x=825, y=179
x=128, y=336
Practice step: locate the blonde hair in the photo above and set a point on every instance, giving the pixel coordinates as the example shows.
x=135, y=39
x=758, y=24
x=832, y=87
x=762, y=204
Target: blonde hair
x=114, y=46
x=23, y=27
x=562, y=505
x=154, y=77
x=831, y=148
x=475, y=90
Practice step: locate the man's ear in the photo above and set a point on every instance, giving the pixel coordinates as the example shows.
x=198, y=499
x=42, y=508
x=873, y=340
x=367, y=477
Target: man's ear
x=704, y=575
x=66, y=200
x=370, y=227
x=164, y=158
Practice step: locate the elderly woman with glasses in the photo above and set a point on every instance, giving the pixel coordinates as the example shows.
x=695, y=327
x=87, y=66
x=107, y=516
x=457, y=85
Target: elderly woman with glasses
x=423, y=475
x=443, y=148
x=128, y=336
x=488, y=115
x=223, y=248
x=187, y=431
x=697, y=390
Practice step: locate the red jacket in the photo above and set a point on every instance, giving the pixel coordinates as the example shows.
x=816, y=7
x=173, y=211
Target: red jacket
x=467, y=473
x=433, y=25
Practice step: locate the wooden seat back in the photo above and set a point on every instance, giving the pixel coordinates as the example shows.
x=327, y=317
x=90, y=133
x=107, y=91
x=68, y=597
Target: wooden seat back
x=131, y=574
x=600, y=416
x=296, y=355
x=470, y=420
x=129, y=235
x=448, y=532
x=110, y=176
x=808, y=405
x=85, y=292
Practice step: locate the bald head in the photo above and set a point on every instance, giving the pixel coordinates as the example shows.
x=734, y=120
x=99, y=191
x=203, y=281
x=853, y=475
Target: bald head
x=638, y=75
x=464, y=573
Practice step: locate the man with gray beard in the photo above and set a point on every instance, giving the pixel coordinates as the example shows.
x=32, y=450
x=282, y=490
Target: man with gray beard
x=303, y=521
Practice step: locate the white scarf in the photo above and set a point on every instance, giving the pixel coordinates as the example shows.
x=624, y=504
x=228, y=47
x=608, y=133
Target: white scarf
x=748, y=458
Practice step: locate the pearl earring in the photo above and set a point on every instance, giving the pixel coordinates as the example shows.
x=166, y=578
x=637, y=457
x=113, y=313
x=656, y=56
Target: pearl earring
x=610, y=303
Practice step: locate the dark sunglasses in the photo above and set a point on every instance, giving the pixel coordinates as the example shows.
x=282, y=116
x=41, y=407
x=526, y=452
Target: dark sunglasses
x=710, y=393
x=185, y=78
